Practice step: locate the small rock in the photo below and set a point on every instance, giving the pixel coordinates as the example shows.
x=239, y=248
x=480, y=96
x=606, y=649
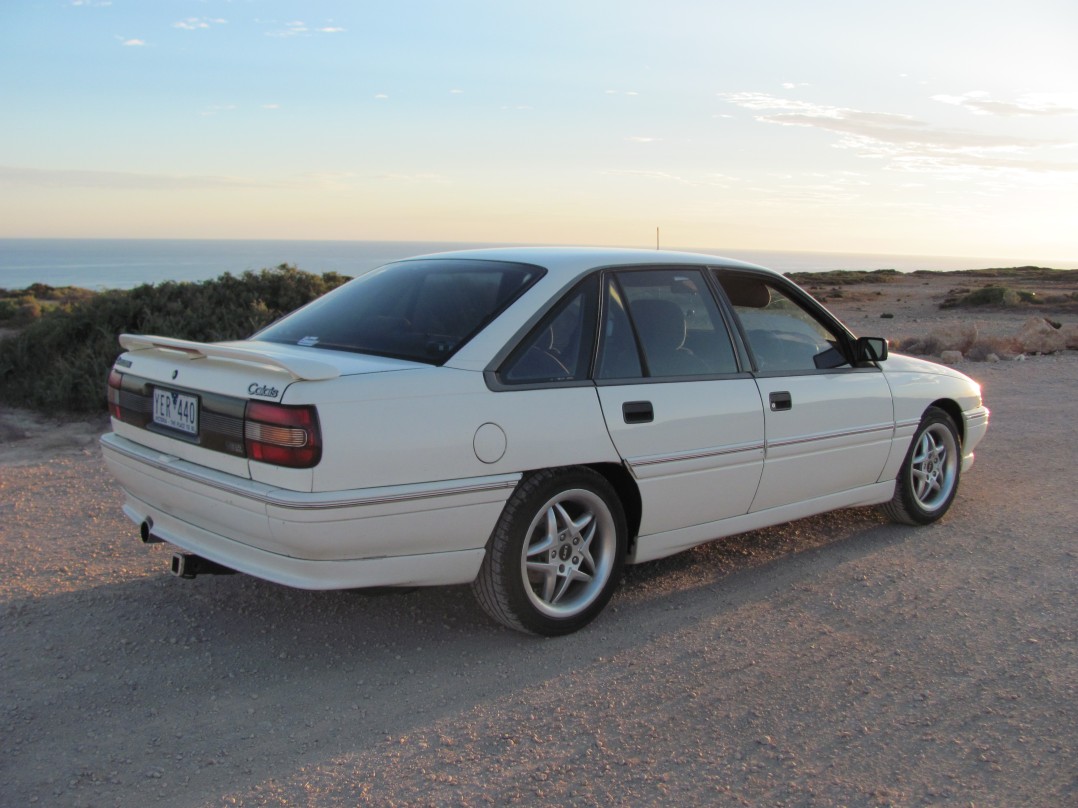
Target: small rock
x=951, y=357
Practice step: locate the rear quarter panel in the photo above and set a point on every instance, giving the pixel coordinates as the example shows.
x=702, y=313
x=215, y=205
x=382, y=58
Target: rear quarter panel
x=421, y=425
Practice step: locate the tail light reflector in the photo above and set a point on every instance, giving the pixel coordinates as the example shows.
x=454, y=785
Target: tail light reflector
x=282, y=435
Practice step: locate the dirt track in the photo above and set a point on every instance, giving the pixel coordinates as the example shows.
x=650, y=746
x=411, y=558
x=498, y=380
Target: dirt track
x=840, y=660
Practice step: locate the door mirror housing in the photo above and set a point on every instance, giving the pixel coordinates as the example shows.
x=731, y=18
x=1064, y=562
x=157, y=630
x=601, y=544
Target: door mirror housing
x=871, y=349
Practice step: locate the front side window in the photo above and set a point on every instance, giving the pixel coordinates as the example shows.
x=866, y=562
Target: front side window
x=422, y=310
x=782, y=335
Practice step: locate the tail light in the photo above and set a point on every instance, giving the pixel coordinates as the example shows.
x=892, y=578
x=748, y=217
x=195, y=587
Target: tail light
x=115, y=383
x=282, y=435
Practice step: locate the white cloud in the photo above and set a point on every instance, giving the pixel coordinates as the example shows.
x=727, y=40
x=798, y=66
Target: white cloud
x=980, y=103
x=119, y=180
x=300, y=28
x=197, y=23
x=293, y=28
x=906, y=142
x=133, y=43
x=381, y=97
x=271, y=106
x=66, y=179
x=642, y=139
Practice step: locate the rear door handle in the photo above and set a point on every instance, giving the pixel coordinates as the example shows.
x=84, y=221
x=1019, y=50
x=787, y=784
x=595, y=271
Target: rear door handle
x=638, y=412
x=781, y=400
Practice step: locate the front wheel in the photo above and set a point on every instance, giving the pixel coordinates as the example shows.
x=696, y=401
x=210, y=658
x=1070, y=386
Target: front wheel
x=928, y=480
x=556, y=554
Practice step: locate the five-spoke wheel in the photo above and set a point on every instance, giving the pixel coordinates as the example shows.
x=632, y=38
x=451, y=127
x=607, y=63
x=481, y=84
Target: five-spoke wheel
x=928, y=479
x=555, y=557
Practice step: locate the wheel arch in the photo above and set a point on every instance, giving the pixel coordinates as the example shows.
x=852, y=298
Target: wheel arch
x=629, y=494
x=954, y=411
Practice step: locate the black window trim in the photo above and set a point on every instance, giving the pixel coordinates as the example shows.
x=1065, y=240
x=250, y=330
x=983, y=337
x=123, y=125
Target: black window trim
x=808, y=303
x=732, y=324
x=734, y=327
x=493, y=372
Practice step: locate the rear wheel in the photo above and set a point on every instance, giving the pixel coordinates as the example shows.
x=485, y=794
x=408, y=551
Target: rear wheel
x=928, y=480
x=556, y=554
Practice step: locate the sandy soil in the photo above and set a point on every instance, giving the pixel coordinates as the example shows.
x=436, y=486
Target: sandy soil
x=909, y=305
x=839, y=660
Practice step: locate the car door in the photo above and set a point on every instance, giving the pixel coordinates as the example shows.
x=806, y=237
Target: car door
x=684, y=416
x=828, y=423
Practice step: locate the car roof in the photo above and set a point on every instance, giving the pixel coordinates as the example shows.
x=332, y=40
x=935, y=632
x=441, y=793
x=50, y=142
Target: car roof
x=568, y=262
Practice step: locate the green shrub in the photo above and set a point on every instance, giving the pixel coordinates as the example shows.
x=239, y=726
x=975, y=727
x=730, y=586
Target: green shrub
x=990, y=295
x=59, y=362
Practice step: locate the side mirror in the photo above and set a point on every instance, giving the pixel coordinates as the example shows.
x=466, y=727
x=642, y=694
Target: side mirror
x=871, y=349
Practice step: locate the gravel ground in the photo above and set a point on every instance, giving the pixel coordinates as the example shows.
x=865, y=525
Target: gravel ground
x=836, y=661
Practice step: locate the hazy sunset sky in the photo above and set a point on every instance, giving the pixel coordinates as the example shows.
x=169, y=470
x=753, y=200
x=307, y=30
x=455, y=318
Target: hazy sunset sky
x=944, y=128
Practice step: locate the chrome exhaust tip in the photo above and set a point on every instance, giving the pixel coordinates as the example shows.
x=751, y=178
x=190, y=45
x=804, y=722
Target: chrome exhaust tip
x=145, y=531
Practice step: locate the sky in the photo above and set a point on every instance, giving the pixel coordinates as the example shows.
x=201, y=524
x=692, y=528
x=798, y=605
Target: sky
x=926, y=128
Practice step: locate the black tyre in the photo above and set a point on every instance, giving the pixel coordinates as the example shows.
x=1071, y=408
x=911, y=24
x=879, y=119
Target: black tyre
x=928, y=480
x=556, y=554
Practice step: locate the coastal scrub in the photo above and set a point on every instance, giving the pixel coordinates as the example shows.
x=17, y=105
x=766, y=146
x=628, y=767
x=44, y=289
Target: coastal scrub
x=59, y=360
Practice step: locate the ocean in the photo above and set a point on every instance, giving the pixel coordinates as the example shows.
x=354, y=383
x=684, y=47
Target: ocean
x=125, y=263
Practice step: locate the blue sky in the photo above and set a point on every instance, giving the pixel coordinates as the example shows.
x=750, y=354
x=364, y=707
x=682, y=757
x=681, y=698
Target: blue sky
x=946, y=128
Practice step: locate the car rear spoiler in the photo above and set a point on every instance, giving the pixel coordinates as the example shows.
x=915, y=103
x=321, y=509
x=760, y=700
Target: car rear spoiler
x=299, y=368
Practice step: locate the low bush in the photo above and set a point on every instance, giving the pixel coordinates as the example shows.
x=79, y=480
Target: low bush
x=844, y=277
x=59, y=362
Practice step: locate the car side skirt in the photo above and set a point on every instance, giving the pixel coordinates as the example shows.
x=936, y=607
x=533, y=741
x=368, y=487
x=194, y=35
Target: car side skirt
x=660, y=545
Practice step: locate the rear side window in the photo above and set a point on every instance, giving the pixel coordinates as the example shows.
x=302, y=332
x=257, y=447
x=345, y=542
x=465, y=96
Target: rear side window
x=559, y=349
x=663, y=323
x=422, y=310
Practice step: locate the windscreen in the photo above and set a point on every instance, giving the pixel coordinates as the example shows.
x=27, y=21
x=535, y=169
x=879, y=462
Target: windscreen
x=423, y=310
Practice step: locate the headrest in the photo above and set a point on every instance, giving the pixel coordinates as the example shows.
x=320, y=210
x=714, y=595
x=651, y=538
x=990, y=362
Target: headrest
x=746, y=292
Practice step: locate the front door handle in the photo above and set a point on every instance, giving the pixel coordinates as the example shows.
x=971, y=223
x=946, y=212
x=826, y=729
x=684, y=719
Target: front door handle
x=638, y=412
x=781, y=400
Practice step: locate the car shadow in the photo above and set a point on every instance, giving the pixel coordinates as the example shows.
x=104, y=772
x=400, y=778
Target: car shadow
x=150, y=683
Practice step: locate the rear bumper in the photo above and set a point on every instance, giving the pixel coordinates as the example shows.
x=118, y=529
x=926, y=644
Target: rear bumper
x=424, y=534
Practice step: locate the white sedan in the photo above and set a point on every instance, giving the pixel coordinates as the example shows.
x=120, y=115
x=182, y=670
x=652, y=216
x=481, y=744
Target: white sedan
x=525, y=420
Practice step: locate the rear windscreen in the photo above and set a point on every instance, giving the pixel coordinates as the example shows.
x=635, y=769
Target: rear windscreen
x=423, y=310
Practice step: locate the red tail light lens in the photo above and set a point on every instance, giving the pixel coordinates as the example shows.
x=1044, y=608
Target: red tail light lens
x=282, y=435
x=115, y=383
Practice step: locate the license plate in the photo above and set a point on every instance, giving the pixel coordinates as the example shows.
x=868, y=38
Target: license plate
x=175, y=411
